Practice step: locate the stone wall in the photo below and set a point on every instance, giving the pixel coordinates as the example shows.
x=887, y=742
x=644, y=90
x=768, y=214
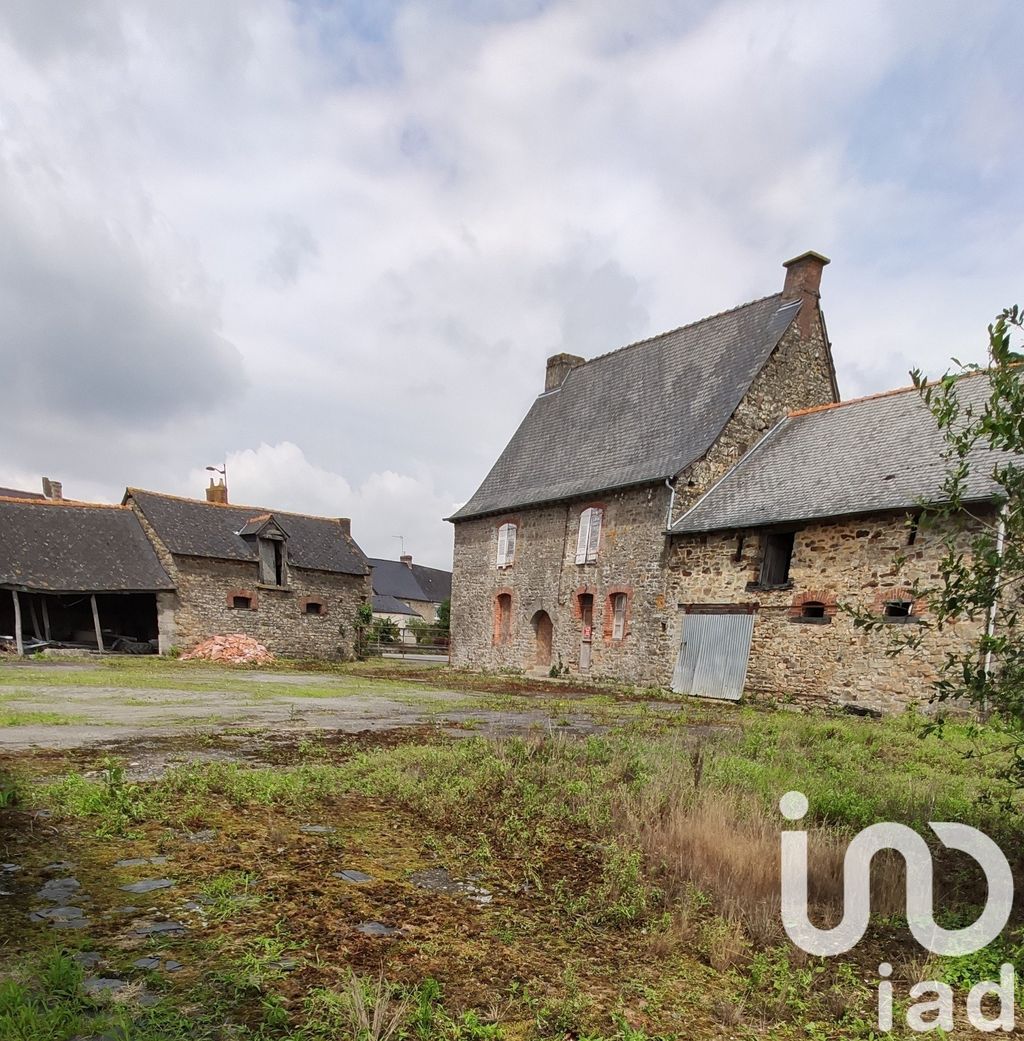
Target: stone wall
x=798, y=375
x=835, y=562
x=200, y=605
x=278, y=617
x=545, y=577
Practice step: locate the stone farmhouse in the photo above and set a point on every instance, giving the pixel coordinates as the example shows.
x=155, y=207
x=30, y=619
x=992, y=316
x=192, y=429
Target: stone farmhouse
x=689, y=510
x=165, y=572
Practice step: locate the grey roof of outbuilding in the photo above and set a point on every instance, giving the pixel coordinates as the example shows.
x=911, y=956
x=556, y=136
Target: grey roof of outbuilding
x=65, y=548
x=872, y=455
x=383, y=604
x=17, y=493
x=393, y=578
x=640, y=414
x=194, y=528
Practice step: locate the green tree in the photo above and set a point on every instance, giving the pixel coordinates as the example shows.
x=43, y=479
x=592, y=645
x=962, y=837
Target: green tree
x=444, y=614
x=981, y=573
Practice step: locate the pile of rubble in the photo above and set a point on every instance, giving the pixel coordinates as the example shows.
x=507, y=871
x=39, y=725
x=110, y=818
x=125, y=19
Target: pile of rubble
x=233, y=648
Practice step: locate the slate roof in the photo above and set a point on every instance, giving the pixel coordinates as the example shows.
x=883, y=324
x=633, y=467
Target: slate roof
x=196, y=528
x=65, y=548
x=393, y=578
x=15, y=493
x=383, y=604
x=639, y=414
x=870, y=455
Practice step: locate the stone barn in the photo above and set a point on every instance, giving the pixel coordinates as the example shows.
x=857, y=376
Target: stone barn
x=78, y=573
x=292, y=581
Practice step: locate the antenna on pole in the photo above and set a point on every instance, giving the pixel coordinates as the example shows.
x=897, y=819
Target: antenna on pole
x=401, y=539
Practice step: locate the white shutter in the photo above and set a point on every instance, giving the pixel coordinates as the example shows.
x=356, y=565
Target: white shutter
x=619, y=620
x=502, y=545
x=510, y=544
x=583, y=538
x=596, y=516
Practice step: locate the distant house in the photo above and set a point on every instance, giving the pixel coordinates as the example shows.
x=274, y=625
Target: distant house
x=292, y=581
x=403, y=589
x=78, y=573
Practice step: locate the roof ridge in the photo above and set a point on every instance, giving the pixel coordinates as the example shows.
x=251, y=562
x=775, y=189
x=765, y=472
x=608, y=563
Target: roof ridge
x=680, y=328
x=796, y=413
x=63, y=502
x=268, y=510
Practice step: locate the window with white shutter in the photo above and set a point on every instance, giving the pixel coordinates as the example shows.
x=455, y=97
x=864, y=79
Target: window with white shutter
x=506, y=545
x=589, y=537
x=619, y=616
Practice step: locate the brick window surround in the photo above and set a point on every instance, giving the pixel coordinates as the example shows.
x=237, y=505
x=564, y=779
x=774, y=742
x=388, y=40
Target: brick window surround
x=319, y=606
x=502, y=633
x=824, y=597
x=609, y=612
x=250, y=593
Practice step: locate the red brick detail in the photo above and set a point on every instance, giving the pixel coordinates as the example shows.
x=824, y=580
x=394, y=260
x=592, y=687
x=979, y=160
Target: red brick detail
x=814, y=596
x=250, y=593
x=577, y=611
x=609, y=611
x=883, y=596
x=499, y=638
x=316, y=601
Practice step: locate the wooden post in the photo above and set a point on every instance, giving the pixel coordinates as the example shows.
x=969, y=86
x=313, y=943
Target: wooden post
x=37, y=632
x=96, y=622
x=46, y=619
x=18, y=643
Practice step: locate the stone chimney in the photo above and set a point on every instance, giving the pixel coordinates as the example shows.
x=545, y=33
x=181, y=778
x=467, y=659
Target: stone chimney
x=559, y=366
x=53, y=489
x=217, y=492
x=406, y=559
x=345, y=523
x=803, y=282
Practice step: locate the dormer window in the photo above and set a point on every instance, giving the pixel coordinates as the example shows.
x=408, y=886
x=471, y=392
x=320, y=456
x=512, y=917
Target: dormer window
x=506, y=545
x=272, y=561
x=589, y=538
x=270, y=541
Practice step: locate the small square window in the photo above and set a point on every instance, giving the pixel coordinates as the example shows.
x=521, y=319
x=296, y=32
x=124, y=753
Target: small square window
x=314, y=607
x=899, y=609
x=241, y=603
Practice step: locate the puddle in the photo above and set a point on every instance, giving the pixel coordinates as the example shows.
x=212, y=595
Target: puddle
x=377, y=929
x=62, y=917
x=167, y=928
x=440, y=880
x=353, y=876
x=58, y=890
x=316, y=829
x=148, y=885
x=152, y=964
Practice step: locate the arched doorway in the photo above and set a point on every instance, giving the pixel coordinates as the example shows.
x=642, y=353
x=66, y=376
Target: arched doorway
x=543, y=630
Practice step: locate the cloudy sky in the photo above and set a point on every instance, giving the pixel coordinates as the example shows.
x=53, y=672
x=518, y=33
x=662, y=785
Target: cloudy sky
x=335, y=242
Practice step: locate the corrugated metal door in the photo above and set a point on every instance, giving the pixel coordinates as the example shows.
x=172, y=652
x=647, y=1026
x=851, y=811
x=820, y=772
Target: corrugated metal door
x=713, y=655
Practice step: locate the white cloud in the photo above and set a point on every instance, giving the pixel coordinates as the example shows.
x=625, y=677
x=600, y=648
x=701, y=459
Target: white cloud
x=360, y=230
x=382, y=506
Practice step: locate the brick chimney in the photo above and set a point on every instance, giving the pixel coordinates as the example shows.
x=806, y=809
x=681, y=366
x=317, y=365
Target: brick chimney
x=559, y=366
x=53, y=489
x=217, y=492
x=406, y=559
x=803, y=282
x=345, y=523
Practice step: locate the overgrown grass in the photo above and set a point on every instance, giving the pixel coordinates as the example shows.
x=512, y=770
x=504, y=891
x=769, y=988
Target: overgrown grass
x=10, y=717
